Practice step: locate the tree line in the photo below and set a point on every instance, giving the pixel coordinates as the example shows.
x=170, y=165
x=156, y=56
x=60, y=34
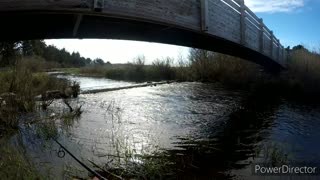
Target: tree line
x=10, y=51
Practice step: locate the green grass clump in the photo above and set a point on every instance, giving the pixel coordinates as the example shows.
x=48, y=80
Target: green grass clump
x=14, y=164
x=19, y=86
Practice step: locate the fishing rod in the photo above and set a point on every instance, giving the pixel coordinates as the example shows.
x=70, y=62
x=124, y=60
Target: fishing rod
x=81, y=163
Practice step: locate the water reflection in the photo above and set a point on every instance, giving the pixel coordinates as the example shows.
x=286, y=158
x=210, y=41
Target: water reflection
x=228, y=147
x=93, y=83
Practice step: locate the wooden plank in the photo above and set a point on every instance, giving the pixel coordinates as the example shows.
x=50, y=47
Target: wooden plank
x=237, y=1
x=252, y=14
x=266, y=45
x=252, y=20
x=252, y=36
x=182, y=13
x=223, y=21
x=267, y=31
x=232, y=5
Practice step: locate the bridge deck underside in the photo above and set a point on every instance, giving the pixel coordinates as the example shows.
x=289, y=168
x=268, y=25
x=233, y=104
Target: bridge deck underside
x=44, y=25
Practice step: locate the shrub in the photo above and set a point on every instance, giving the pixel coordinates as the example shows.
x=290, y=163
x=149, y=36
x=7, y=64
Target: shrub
x=232, y=71
x=161, y=70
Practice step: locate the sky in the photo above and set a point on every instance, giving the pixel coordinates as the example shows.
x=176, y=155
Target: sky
x=292, y=21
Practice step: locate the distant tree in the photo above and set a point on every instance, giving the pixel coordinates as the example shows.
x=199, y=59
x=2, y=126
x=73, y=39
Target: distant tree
x=138, y=68
x=38, y=47
x=9, y=51
x=139, y=61
x=201, y=61
x=27, y=49
x=288, y=48
x=98, y=61
x=298, y=47
x=88, y=61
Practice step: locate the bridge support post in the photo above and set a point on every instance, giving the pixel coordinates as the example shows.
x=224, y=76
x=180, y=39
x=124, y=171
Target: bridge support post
x=204, y=15
x=271, y=44
x=242, y=23
x=98, y=5
x=77, y=25
x=261, y=34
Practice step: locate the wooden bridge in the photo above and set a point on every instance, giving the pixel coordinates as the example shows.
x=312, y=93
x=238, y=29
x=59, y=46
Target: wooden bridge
x=226, y=26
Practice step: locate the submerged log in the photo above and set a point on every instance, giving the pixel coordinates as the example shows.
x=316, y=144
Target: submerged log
x=51, y=95
x=127, y=87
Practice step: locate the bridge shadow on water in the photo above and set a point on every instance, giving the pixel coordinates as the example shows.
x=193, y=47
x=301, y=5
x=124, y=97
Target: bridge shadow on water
x=233, y=146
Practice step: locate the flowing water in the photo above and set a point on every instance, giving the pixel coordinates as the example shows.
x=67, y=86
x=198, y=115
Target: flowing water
x=221, y=132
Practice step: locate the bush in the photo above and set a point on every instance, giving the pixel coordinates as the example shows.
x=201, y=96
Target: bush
x=96, y=71
x=161, y=70
x=36, y=64
x=209, y=66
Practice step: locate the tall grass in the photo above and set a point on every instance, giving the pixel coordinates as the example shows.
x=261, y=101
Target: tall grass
x=208, y=66
x=303, y=73
x=14, y=164
x=137, y=70
x=20, y=85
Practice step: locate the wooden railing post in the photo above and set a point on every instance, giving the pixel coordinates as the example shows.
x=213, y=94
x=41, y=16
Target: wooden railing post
x=261, y=34
x=285, y=56
x=278, y=50
x=271, y=44
x=204, y=15
x=242, y=23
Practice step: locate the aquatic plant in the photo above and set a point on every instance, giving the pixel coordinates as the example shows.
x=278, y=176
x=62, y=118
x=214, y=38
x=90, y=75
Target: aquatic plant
x=272, y=154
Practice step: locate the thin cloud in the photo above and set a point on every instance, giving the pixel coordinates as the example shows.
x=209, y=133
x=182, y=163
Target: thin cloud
x=272, y=6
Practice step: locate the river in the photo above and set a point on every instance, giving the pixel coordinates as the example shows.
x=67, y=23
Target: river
x=209, y=130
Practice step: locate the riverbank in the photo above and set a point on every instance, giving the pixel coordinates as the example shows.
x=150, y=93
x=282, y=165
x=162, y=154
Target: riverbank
x=300, y=80
x=137, y=71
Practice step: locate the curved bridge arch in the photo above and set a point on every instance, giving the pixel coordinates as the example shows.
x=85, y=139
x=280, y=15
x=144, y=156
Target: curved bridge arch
x=225, y=26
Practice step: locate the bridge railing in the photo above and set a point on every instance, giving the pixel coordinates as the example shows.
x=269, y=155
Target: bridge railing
x=233, y=20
